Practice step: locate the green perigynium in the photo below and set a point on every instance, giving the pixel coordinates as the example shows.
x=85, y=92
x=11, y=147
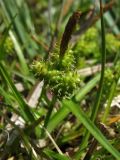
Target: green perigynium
x=40, y=69
x=59, y=75
x=67, y=63
x=8, y=46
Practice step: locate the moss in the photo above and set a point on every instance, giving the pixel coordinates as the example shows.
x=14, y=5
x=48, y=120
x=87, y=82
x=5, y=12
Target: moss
x=89, y=46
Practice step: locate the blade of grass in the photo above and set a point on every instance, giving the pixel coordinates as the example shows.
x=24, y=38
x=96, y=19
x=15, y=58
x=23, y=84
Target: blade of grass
x=25, y=14
x=63, y=111
x=8, y=21
x=111, y=95
x=55, y=155
x=25, y=110
x=96, y=105
x=110, y=20
x=11, y=8
x=57, y=118
x=103, y=57
x=88, y=87
x=47, y=118
x=82, y=117
x=4, y=39
x=24, y=67
x=8, y=102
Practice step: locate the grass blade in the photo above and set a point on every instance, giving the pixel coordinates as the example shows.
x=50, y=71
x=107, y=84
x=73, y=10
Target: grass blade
x=82, y=117
x=55, y=155
x=63, y=111
x=25, y=110
x=87, y=88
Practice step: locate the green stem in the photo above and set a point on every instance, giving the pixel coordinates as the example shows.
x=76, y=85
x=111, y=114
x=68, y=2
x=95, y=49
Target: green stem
x=48, y=115
x=112, y=91
x=99, y=93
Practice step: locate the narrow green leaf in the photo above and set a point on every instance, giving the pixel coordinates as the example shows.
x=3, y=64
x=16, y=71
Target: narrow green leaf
x=11, y=8
x=82, y=117
x=4, y=39
x=25, y=110
x=24, y=67
x=55, y=155
x=87, y=88
x=57, y=118
x=63, y=111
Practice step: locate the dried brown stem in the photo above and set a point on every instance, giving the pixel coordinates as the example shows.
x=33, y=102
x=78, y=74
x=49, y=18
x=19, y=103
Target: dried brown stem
x=73, y=20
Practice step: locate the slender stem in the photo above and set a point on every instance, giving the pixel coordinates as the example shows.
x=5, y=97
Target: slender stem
x=48, y=114
x=112, y=91
x=99, y=93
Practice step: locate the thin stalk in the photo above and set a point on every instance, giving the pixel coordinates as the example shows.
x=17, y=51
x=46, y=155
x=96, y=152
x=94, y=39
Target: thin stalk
x=112, y=91
x=48, y=115
x=99, y=93
x=53, y=141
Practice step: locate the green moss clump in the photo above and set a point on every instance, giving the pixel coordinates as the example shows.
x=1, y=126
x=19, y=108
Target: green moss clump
x=89, y=46
x=113, y=44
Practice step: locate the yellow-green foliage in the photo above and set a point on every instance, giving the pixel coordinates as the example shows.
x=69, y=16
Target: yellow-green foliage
x=8, y=46
x=108, y=80
x=59, y=75
x=67, y=62
x=113, y=44
x=111, y=75
x=89, y=45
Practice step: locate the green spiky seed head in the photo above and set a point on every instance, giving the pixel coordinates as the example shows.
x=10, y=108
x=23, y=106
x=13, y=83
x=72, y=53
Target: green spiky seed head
x=59, y=75
x=8, y=46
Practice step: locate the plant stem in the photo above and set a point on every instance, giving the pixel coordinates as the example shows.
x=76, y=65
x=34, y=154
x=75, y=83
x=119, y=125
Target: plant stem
x=99, y=93
x=48, y=114
x=112, y=91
